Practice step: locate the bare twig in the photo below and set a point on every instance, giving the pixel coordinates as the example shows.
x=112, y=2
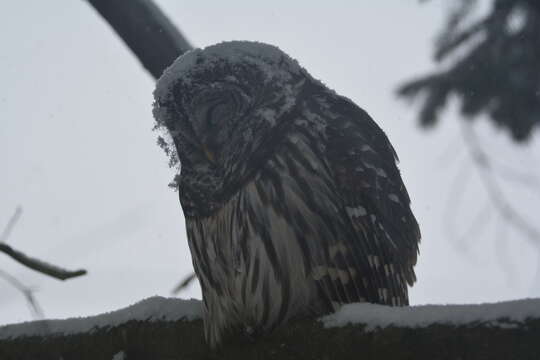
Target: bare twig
x=496, y=195
x=476, y=226
x=536, y=281
x=455, y=195
x=184, y=283
x=449, y=154
x=11, y=224
x=35, y=308
x=526, y=179
x=501, y=248
x=33, y=263
x=40, y=266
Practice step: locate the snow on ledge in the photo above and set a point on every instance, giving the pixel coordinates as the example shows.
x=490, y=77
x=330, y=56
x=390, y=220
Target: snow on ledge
x=152, y=309
x=503, y=314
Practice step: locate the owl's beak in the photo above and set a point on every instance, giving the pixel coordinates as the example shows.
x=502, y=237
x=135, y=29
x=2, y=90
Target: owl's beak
x=209, y=154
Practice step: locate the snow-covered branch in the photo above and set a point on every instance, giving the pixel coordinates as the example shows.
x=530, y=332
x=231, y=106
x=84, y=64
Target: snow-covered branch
x=159, y=328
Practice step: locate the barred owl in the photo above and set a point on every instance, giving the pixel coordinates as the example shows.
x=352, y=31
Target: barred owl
x=291, y=195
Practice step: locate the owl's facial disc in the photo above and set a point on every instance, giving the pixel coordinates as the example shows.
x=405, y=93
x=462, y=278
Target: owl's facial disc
x=215, y=112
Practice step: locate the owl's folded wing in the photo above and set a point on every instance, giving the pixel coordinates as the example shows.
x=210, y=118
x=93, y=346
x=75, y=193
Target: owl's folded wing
x=386, y=234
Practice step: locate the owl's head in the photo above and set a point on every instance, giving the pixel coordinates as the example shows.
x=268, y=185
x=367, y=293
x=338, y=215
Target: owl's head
x=222, y=108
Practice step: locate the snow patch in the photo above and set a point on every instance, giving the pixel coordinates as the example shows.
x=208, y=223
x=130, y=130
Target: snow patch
x=375, y=316
x=260, y=54
x=152, y=309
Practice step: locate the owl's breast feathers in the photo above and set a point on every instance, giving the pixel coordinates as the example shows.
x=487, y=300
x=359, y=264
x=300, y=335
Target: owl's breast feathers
x=324, y=221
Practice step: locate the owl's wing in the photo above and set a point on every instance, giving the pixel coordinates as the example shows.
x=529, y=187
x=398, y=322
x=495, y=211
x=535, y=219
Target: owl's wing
x=385, y=232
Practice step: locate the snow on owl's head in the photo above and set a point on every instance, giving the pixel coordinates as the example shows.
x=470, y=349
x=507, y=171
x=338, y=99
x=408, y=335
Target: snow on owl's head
x=220, y=104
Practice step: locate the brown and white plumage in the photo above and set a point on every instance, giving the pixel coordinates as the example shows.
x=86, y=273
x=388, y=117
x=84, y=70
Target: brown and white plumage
x=293, y=201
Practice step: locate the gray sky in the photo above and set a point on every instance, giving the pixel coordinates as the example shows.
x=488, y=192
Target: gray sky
x=77, y=150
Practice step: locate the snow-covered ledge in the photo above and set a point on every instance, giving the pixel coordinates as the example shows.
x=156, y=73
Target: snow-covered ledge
x=503, y=314
x=152, y=309
x=171, y=328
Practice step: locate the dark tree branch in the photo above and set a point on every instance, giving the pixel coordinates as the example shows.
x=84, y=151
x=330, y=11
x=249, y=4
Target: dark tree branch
x=40, y=266
x=145, y=29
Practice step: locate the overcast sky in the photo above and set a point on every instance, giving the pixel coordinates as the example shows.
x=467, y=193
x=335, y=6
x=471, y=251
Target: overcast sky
x=77, y=150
